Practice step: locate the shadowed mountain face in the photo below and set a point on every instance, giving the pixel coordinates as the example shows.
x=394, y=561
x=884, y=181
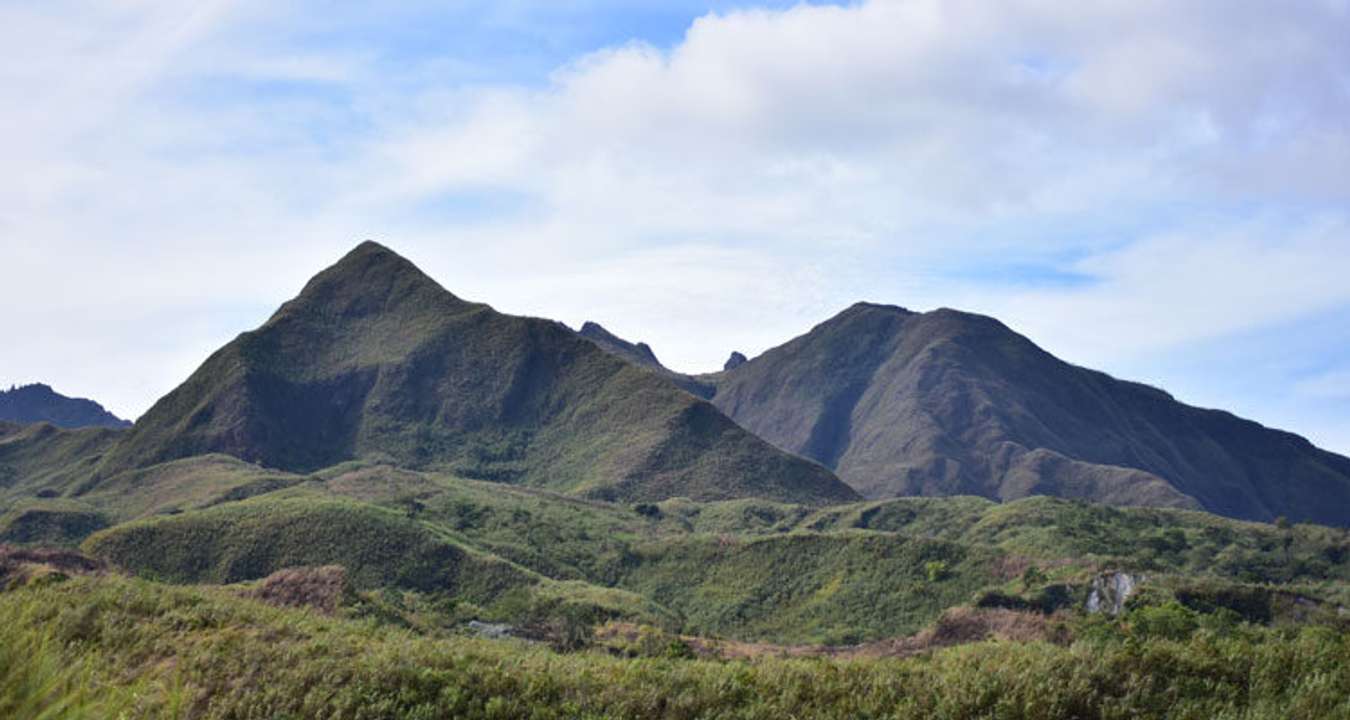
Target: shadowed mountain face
x=375, y=360
x=39, y=403
x=945, y=403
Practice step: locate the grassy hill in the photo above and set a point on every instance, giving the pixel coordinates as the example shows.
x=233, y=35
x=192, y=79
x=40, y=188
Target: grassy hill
x=41, y=459
x=1230, y=618
x=745, y=569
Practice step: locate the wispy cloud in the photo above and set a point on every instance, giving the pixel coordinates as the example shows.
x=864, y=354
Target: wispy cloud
x=1122, y=180
x=1331, y=385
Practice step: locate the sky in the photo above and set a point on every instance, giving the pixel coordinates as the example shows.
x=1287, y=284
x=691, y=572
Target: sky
x=1160, y=190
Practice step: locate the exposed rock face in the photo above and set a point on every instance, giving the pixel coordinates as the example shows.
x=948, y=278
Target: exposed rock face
x=1110, y=591
x=491, y=631
x=736, y=360
x=40, y=403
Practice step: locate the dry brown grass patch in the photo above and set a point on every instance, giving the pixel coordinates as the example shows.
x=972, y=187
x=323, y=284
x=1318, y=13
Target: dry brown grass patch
x=321, y=588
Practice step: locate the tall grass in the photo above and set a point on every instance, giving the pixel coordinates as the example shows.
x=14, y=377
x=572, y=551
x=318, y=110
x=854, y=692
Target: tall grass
x=155, y=651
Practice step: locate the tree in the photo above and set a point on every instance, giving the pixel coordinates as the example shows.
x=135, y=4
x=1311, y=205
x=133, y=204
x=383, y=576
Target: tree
x=1032, y=576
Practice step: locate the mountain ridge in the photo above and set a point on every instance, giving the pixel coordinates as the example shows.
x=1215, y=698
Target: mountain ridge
x=375, y=359
x=38, y=402
x=947, y=402
x=950, y=402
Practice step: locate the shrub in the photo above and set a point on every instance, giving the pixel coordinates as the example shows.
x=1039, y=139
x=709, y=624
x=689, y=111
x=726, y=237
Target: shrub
x=1171, y=621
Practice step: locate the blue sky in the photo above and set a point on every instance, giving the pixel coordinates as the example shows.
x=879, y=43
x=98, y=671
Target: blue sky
x=1160, y=190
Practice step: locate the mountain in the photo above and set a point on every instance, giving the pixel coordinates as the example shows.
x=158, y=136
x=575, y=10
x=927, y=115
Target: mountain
x=641, y=355
x=636, y=353
x=39, y=403
x=375, y=360
x=948, y=403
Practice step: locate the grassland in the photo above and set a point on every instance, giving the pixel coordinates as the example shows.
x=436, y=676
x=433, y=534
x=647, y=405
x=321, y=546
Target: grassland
x=744, y=569
x=1232, y=619
x=100, y=646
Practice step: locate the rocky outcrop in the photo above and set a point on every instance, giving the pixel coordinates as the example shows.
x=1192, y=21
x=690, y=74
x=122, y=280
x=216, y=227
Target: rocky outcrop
x=1110, y=590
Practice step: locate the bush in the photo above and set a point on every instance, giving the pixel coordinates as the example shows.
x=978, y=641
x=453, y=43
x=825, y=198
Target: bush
x=648, y=510
x=109, y=647
x=1171, y=621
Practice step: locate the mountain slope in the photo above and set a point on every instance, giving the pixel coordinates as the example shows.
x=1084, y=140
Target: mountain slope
x=636, y=353
x=943, y=403
x=374, y=359
x=40, y=403
x=641, y=355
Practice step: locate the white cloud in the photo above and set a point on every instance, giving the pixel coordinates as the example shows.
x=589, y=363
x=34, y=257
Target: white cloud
x=1190, y=284
x=723, y=193
x=1330, y=385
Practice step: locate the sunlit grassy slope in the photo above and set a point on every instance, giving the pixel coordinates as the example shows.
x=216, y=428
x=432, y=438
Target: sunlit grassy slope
x=747, y=569
x=104, y=647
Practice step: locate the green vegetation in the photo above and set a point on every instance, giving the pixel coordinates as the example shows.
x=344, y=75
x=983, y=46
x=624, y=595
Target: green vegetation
x=742, y=569
x=325, y=516
x=44, y=459
x=374, y=360
x=806, y=587
x=156, y=651
x=49, y=523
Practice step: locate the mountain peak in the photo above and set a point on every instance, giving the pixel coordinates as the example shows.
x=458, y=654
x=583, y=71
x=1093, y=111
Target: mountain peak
x=736, y=360
x=368, y=280
x=38, y=402
x=373, y=259
x=863, y=306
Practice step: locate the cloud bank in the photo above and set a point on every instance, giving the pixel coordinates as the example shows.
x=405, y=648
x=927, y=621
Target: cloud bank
x=1126, y=182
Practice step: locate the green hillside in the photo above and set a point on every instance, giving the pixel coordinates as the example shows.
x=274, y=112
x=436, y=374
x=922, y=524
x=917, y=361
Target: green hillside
x=614, y=606
x=375, y=360
x=390, y=502
x=742, y=569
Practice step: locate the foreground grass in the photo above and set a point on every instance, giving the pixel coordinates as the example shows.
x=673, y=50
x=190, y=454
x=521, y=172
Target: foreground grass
x=110, y=646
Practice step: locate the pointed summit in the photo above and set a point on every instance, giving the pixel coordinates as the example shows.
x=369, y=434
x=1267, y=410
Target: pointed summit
x=373, y=359
x=370, y=279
